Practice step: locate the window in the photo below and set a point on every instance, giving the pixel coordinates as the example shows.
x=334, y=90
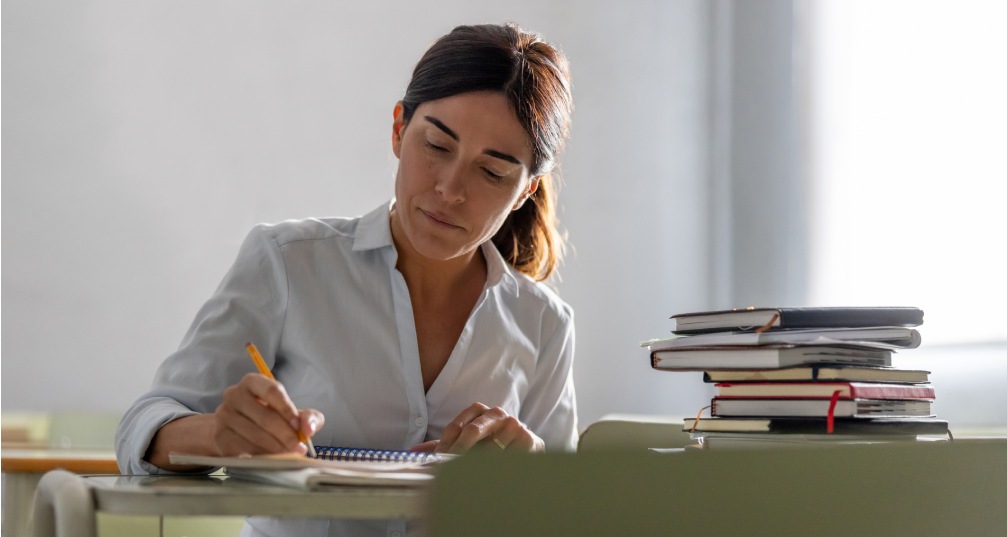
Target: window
x=908, y=116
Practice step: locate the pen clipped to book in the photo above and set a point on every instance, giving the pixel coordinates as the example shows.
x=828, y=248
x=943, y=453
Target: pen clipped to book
x=260, y=364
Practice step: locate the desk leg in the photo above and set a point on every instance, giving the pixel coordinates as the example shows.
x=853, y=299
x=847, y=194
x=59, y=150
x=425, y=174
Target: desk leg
x=18, y=494
x=64, y=507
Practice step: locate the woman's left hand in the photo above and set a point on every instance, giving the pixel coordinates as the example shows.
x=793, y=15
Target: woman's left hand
x=492, y=427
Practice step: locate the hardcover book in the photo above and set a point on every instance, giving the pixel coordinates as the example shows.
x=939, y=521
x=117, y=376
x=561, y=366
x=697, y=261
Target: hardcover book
x=883, y=337
x=821, y=372
x=809, y=425
x=776, y=318
x=847, y=408
x=846, y=390
x=797, y=440
x=751, y=357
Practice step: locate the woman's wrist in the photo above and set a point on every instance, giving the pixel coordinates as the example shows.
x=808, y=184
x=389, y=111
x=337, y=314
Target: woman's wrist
x=189, y=434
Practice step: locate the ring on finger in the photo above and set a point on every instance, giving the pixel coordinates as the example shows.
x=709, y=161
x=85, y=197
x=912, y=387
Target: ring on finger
x=499, y=444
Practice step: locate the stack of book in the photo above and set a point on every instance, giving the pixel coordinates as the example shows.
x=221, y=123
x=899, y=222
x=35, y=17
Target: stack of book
x=785, y=375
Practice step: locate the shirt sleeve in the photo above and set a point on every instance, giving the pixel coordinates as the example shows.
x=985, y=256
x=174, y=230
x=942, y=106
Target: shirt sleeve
x=550, y=408
x=248, y=306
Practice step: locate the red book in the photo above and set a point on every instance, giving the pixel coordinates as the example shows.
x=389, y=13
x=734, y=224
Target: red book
x=820, y=407
x=824, y=390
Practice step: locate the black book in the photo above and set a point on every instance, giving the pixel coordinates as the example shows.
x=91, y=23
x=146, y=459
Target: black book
x=777, y=318
x=821, y=372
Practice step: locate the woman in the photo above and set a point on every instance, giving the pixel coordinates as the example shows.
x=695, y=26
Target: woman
x=423, y=324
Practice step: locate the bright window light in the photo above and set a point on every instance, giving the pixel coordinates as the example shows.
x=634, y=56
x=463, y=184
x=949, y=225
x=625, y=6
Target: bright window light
x=908, y=115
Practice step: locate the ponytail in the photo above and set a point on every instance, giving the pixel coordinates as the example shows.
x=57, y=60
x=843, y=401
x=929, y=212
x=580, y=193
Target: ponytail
x=529, y=239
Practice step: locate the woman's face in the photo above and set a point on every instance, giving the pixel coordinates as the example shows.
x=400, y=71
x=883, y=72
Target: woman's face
x=463, y=167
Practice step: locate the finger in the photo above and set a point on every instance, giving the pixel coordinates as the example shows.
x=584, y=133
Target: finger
x=273, y=395
x=495, y=440
x=311, y=421
x=235, y=434
x=514, y=436
x=454, y=429
x=252, y=421
x=283, y=423
x=481, y=427
x=426, y=447
x=507, y=435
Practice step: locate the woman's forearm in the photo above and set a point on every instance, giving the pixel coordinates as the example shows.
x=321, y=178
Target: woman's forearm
x=191, y=435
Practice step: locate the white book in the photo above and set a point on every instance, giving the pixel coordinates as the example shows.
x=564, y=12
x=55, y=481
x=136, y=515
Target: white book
x=880, y=337
x=764, y=357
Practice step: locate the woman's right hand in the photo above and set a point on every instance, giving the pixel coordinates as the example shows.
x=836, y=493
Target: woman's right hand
x=255, y=417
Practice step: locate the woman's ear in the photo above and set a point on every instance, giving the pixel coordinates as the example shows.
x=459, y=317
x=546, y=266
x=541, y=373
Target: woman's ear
x=532, y=187
x=398, y=126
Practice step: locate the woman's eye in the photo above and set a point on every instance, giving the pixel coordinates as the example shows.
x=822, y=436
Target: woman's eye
x=436, y=147
x=492, y=175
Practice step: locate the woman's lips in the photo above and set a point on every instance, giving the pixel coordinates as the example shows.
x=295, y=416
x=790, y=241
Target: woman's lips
x=439, y=219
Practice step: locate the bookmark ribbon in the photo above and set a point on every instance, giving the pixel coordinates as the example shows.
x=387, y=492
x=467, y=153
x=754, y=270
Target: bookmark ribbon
x=768, y=325
x=699, y=416
x=830, y=423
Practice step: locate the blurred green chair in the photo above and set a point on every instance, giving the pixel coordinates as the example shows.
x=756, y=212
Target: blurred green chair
x=633, y=432
x=926, y=488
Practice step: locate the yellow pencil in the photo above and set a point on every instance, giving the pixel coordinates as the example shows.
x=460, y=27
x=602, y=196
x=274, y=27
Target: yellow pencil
x=260, y=364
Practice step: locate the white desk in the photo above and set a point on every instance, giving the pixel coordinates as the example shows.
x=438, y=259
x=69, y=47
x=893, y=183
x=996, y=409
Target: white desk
x=67, y=503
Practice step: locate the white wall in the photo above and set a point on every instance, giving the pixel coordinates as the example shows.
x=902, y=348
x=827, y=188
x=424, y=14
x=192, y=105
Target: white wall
x=141, y=140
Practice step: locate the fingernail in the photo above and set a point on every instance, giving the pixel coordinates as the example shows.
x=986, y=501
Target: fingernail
x=313, y=425
x=295, y=424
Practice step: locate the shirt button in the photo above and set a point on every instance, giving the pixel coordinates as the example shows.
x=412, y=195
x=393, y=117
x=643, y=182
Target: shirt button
x=420, y=422
x=397, y=533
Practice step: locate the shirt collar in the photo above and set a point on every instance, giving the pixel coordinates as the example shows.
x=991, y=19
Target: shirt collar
x=498, y=271
x=374, y=231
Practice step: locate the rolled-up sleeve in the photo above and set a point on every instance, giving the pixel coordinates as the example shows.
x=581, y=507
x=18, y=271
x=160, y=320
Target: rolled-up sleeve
x=248, y=306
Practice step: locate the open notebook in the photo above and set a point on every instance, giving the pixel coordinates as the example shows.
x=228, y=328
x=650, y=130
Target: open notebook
x=333, y=466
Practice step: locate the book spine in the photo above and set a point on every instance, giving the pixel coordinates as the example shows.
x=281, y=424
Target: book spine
x=892, y=392
x=824, y=390
x=842, y=426
x=803, y=407
x=849, y=317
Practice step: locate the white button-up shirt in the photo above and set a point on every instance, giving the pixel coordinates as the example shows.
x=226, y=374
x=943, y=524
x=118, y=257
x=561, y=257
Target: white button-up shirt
x=324, y=303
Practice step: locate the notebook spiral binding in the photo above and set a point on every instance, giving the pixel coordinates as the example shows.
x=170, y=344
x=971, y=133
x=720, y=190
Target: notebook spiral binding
x=333, y=453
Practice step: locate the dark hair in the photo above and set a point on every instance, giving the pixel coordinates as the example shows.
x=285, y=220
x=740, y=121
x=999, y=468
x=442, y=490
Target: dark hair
x=534, y=77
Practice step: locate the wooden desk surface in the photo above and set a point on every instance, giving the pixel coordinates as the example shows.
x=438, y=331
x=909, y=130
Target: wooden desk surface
x=41, y=460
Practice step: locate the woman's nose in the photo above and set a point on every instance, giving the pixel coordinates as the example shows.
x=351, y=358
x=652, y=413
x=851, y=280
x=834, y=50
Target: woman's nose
x=451, y=184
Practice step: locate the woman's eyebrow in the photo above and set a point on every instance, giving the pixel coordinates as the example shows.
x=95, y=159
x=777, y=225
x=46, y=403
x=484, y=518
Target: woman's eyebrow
x=503, y=156
x=440, y=125
x=491, y=152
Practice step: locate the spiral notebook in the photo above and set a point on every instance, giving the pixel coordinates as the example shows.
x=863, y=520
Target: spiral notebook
x=321, y=478
x=328, y=457
x=333, y=453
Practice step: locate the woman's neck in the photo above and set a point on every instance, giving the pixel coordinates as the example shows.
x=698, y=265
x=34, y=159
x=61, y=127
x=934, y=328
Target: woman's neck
x=432, y=279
